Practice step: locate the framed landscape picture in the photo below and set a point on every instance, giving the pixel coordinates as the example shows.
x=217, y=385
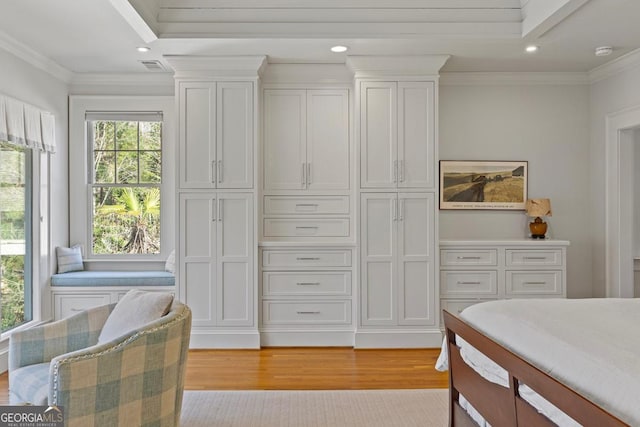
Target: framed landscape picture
x=471, y=184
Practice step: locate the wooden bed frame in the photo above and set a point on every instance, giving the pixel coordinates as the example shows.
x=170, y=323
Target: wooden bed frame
x=502, y=406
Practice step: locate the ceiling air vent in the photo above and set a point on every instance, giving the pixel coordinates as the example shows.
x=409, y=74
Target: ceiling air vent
x=153, y=65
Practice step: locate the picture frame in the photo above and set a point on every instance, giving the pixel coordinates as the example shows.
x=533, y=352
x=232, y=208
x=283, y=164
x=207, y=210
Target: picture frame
x=483, y=185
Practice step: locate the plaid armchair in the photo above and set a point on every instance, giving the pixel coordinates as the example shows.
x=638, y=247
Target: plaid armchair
x=134, y=380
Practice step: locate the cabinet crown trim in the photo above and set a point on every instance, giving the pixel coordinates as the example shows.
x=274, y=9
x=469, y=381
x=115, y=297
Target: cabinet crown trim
x=417, y=65
x=216, y=66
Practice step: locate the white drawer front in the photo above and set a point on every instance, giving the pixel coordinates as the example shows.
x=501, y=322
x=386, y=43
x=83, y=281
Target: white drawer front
x=532, y=257
x=536, y=283
x=280, y=227
x=284, y=258
x=278, y=283
x=468, y=282
x=68, y=305
x=287, y=205
x=306, y=312
x=457, y=257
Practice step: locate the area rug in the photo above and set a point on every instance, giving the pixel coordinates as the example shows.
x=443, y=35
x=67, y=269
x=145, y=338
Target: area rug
x=330, y=408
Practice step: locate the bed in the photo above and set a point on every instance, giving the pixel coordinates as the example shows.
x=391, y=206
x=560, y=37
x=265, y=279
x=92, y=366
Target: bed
x=544, y=362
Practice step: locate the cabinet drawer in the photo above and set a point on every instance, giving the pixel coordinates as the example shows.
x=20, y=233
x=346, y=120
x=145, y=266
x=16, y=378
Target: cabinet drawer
x=287, y=205
x=532, y=257
x=68, y=305
x=535, y=283
x=457, y=257
x=287, y=258
x=278, y=283
x=306, y=312
x=280, y=227
x=468, y=282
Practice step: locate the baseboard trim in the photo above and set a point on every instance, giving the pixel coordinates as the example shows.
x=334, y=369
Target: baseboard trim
x=307, y=338
x=225, y=340
x=398, y=339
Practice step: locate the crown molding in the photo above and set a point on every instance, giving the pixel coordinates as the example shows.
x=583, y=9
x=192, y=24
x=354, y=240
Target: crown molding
x=34, y=58
x=618, y=65
x=513, y=78
x=382, y=66
x=125, y=79
x=216, y=66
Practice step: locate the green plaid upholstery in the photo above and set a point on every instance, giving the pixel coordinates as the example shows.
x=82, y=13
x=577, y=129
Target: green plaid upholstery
x=134, y=380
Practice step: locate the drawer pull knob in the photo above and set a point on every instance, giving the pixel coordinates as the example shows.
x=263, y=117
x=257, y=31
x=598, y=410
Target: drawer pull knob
x=468, y=257
x=307, y=226
x=534, y=257
x=308, y=312
x=308, y=258
x=301, y=205
x=534, y=283
x=469, y=283
x=308, y=283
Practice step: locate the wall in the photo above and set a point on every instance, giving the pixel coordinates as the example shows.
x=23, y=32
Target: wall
x=546, y=125
x=24, y=82
x=615, y=93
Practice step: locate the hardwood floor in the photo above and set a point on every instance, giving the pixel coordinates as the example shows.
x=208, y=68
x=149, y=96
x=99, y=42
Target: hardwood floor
x=307, y=368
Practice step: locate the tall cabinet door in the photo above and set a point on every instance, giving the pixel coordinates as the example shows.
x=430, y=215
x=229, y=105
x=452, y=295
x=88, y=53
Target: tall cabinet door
x=416, y=297
x=197, y=135
x=197, y=270
x=416, y=135
x=328, y=139
x=378, y=135
x=285, y=131
x=234, y=140
x=235, y=293
x=378, y=252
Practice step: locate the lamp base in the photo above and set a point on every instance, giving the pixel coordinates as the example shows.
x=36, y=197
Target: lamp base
x=538, y=228
x=538, y=236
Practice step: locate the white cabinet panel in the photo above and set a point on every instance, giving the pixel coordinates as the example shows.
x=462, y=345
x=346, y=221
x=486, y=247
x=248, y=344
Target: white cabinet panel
x=197, y=135
x=198, y=280
x=534, y=257
x=533, y=283
x=234, y=135
x=462, y=257
x=306, y=258
x=288, y=283
x=416, y=135
x=466, y=282
x=379, y=139
x=285, y=131
x=306, y=312
x=293, y=227
x=304, y=205
x=327, y=140
x=68, y=305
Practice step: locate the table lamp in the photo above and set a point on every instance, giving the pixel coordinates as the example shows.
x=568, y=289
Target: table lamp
x=538, y=208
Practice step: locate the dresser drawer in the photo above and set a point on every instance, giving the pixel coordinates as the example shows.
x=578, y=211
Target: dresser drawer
x=279, y=283
x=67, y=305
x=289, y=258
x=321, y=205
x=290, y=227
x=532, y=257
x=533, y=283
x=458, y=257
x=454, y=283
x=306, y=312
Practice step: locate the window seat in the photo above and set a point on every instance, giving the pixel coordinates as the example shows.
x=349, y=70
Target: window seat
x=114, y=278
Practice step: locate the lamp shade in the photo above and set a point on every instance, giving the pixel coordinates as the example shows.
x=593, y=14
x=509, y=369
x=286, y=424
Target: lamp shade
x=538, y=207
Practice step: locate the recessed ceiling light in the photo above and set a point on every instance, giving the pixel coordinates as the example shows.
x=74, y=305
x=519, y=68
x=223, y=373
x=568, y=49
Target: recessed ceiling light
x=143, y=49
x=339, y=49
x=531, y=48
x=604, y=50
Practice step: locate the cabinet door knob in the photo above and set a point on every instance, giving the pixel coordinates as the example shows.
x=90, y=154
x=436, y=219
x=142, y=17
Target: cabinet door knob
x=220, y=171
x=308, y=312
x=308, y=283
x=308, y=258
x=213, y=171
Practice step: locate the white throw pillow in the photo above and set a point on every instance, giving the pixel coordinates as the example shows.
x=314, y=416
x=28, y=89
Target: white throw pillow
x=136, y=309
x=170, y=265
x=69, y=259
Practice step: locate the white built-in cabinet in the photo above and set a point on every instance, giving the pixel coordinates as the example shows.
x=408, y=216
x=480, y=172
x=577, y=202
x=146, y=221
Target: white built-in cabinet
x=397, y=134
x=397, y=259
x=217, y=262
x=306, y=139
x=216, y=134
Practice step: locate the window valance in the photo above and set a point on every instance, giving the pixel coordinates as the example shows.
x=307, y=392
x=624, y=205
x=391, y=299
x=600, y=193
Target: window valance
x=27, y=126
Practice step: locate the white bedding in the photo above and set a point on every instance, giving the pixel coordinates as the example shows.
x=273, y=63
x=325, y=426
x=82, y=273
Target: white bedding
x=591, y=345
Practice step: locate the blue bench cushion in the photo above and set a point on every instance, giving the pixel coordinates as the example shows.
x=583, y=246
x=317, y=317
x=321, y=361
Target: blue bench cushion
x=114, y=278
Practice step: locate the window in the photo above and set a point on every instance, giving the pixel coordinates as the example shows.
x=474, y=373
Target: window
x=15, y=235
x=125, y=165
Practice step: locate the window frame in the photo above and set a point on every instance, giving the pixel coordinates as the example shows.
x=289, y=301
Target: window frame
x=81, y=179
